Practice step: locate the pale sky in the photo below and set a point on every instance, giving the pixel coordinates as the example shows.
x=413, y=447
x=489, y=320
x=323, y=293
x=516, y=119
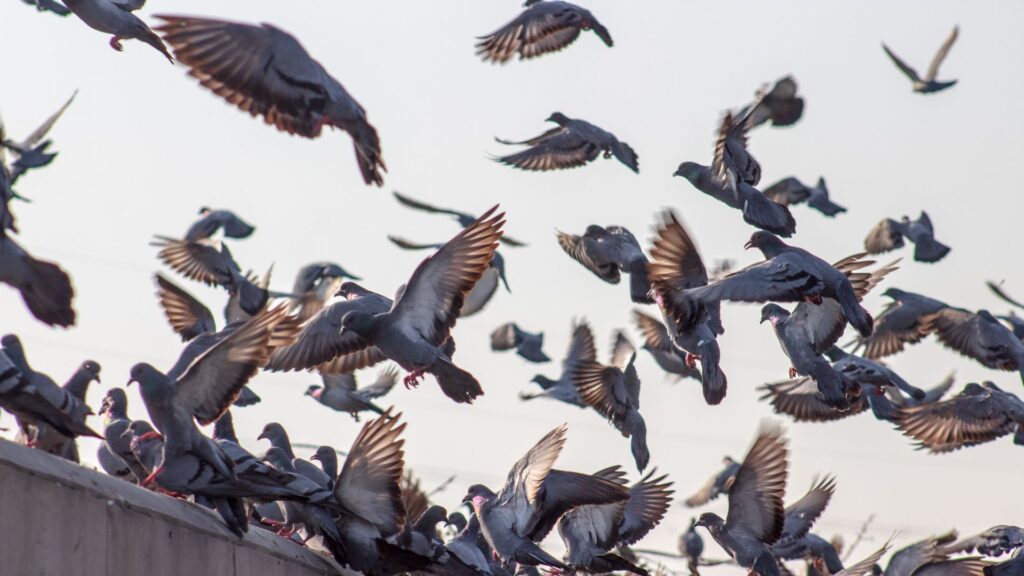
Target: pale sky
x=144, y=146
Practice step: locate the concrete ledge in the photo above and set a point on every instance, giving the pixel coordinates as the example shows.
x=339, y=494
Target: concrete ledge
x=60, y=519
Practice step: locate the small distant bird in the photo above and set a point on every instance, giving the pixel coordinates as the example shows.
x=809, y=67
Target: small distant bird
x=889, y=234
x=463, y=218
x=339, y=392
x=979, y=336
x=581, y=349
x=213, y=220
x=510, y=336
x=545, y=26
x=571, y=144
x=790, y=191
x=978, y=414
x=901, y=323
x=717, y=485
x=266, y=72
x=691, y=547
x=608, y=252
x=116, y=18
x=928, y=84
x=781, y=105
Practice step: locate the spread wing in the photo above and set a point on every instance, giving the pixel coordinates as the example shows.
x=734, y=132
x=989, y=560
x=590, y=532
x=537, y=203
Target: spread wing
x=593, y=254
x=648, y=502
x=526, y=477
x=556, y=149
x=885, y=236
x=539, y=30
x=207, y=261
x=385, y=381
x=369, y=482
x=972, y=336
x=965, y=420
x=800, y=399
x=186, y=315
x=801, y=515
x=781, y=279
x=418, y=205
x=321, y=339
x=755, y=499
x=910, y=72
x=933, y=68
x=787, y=191
x=654, y=332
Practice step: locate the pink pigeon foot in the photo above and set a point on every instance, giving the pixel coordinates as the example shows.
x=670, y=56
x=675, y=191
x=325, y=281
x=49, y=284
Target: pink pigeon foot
x=792, y=372
x=115, y=43
x=412, y=379
x=152, y=477
x=691, y=360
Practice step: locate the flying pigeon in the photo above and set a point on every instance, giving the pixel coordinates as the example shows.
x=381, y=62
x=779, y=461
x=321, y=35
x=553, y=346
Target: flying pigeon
x=31, y=152
x=210, y=261
x=44, y=286
x=865, y=372
x=789, y=191
x=781, y=105
x=996, y=541
x=463, y=218
x=758, y=210
x=717, y=485
x=902, y=322
x=316, y=284
x=545, y=26
x=608, y=252
x=528, y=345
x=800, y=399
x=979, y=336
x=116, y=18
x=581, y=349
x=339, y=392
x=266, y=72
x=980, y=413
x=49, y=6
x=213, y=220
x=889, y=234
x=908, y=560
x=571, y=144
x=733, y=164
x=800, y=516
x=928, y=84
x=658, y=342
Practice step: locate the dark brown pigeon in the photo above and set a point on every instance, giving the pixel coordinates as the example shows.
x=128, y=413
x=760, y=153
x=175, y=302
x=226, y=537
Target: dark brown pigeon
x=542, y=28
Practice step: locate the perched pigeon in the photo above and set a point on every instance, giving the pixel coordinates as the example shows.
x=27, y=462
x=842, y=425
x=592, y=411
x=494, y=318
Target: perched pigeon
x=758, y=210
x=613, y=391
x=49, y=6
x=658, y=342
x=717, y=485
x=928, y=84
x=265, y=71
x=979, y=336
x=591, y=532
x=545, y=26
x=675, y=268
x=509, y=336
x=781, y=105
x=274, y=433
x=608, y=252
x=889, y=234
x=146, y=443
x=116, y=18
x=316, y=284
x=44, y=286
x=980, y=413
x=463, y=218
x=114, y=410
x=691, y=547
x=317, y=521
x=571, y=144
x=532, y=500
x=328, y=459
x=49, y=440
x=789, y=191
x=902, y=322
x=581, y=349
x=339, y=392
x=214, y=220
x=756, y=516
x=210, y=261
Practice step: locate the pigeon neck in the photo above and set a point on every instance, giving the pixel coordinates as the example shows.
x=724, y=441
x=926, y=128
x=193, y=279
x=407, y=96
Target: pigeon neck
x=78, y=384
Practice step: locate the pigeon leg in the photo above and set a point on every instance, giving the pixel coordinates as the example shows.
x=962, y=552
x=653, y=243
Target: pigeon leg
x=115, y=43
x=272, y=523
x=286, y=532
x=691, y=361
x=792, y=372
x=815, y=299
x=412, y=379
x=152, y=477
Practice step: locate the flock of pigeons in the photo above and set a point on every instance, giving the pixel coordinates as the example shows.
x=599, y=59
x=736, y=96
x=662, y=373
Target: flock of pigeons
x=367, y=511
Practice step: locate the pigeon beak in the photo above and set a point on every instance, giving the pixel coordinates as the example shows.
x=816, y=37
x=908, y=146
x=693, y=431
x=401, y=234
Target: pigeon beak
x=314, y=457
x=97, y=378
x=130, y=381
x=262, y=436
x=467, y=498
x=748, y=245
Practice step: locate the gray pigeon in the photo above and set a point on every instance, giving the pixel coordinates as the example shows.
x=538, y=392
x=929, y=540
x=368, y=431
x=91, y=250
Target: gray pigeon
x=902, y=322
x=758, y=210
x=571, y=144
x=214, y=220
x=889, y=234
x=116, y=18
x=591, y=532
x=532, y=500
x=756, y=516
x=31, y=152
x=789, y=191
x=658, y=342
x=691, y=547
x=581, y=349
x=210, y=261
x=44, y=286
x=339, y=392
x=732, y=163
x=414, y=330
x=146, y=443
x=800, y=399
x=613, y=391
x=317, y=521
x=996, y=541
x=48, y=6
x=545, y=26
x=978, y=414
x=328, y=459
x=274, y=433
x=608, y=252
x=908, y=560
x=528, y=345
x=781, y=105
x=114, y=411
x=979, y=336
x=463, y=218
x=928, y=84
x=818, y=552
x=933, y=394
x=717, y=485
x=316, y=284
x=49, y=440
x=800, y=517
x=865, y=372
x=266, y=72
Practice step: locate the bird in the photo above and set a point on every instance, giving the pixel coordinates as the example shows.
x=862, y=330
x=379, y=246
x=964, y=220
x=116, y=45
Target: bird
x=691, y=547
x=528, y=345
x=800, y=399
x=45, y=287
x=275, y=433
x=114, y=410
x=613, y=391
x=212, y=221
x=608, y=251
x=532, y=500
x=32, y=151
x=758, y=210
x=463, y=218
x=581, y=349
x=902, y=322
x=315, y=284
x=789, y=191
x=979, y=336
x=928, y=84
x=266, y=72
x=76, y=387
x=49, y=6
x=889, y=234
x=659, y=344
x=908, y=560
x=866, y=372
x=571, y=144
x=117, y=18
x=720, y=483
x=780, y=105
x=979, y=413
x=733, y=163
x=756, y=515
x=543, y=27
x=800, y=516
x=339, y=392
x=995, y=541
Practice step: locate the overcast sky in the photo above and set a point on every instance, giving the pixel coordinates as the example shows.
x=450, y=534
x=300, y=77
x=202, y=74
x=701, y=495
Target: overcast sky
x=143, y=147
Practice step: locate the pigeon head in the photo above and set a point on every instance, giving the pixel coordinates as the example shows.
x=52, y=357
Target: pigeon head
x=357, y=321
x=273, y=432
x=894, y=293
x=477, y=495
x=558, y=118
x=328, y=459
x=115, y=403
x=458, y=521
x=987, y=316
x=432, y=516
x=498, y=263
x=277, y=458
x=769, y=244
x=138, y=428
x=689, y=170
x=542, y=380
x=350, y=290
x=203, y=211
x=12, y=346
x=314, y=391
x=728, y=461
x=713, y=522
x=149, y=378
x=92, y=369
x=774, y=313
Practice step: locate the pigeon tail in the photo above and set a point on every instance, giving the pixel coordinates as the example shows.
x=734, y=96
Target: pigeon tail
x=603, y=33
x=455, y=382
x=713, y=380
x=251, y=297
x=767, y=214
x=929, y=250
x=367, y=147
x=881, y=407
x=232, y=510
x=532, y=555
x=858, y=317
x=766, y=565
x=639, y=285
x=832, y=560
x=830, y=385
x=638, y=444
x=48, y=295
x=149, y=37
x=614, y=563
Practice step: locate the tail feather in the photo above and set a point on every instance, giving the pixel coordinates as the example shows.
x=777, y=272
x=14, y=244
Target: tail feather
x=533, y=555
x=49, y=293
x=150, y=37
x=367, y=147
x=251, y=297
x=602, y=33
x=768, y=215
x=766, y=565
x=639, y=285
x=455, y=382
x=713, y=380
x=830, y=385
x=613, y=562
x=855, y=314
x=881, y=407
x=929, y=250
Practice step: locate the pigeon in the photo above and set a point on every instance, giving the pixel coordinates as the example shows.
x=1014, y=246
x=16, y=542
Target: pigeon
x=1014, y=323
x=317, y=521
x=44, y=286
x=328, y=459
x=820, y=554
x=608, y=252
x=116, y=18
x=510, y=336
x=274, y=433
x=316, y=284
x=901, y=323
x=928, y=84
x=979, y=336
x=1012, y=567
x=658, y=342
x=581, y=349
x=571, y=144
x=339, y=392
x=146, y=443
x=31, y=152
x=590, y=532
x=49, y=440
x=758, y=210
x=781, y=105
x=188, y=317
x=49, y=6
x=675, y=268
x=532, y=500
x=978, y=414
x=412, y=332
x=789, y=191
x=800, y=399
x=756, y=516
x=996, y=541
x=800, y=516
x=933, y=394
x=114, y=410
x=214, y=220
x=733, y=164
x=463, y=218
x=613, y=391
x=889, y=234
x=791, y=274
x=906, y=561
x=866, y=372
x=545, y=26
x=691, y=547
x=265, y=71
x=210, y=261
x=717, y=485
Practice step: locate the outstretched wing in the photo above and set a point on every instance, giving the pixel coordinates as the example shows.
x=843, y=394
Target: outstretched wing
x=933, y=68
x=910, y=72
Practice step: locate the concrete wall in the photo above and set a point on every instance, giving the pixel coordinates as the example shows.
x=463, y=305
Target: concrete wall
x=61, y=519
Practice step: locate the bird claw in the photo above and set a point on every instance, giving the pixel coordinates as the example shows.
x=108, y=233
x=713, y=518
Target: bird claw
x=286, y=532
x=115, y=43
x=691, y=361
x=152, y=477
x=815, y=299
x=412, y=379
x=792, y=372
